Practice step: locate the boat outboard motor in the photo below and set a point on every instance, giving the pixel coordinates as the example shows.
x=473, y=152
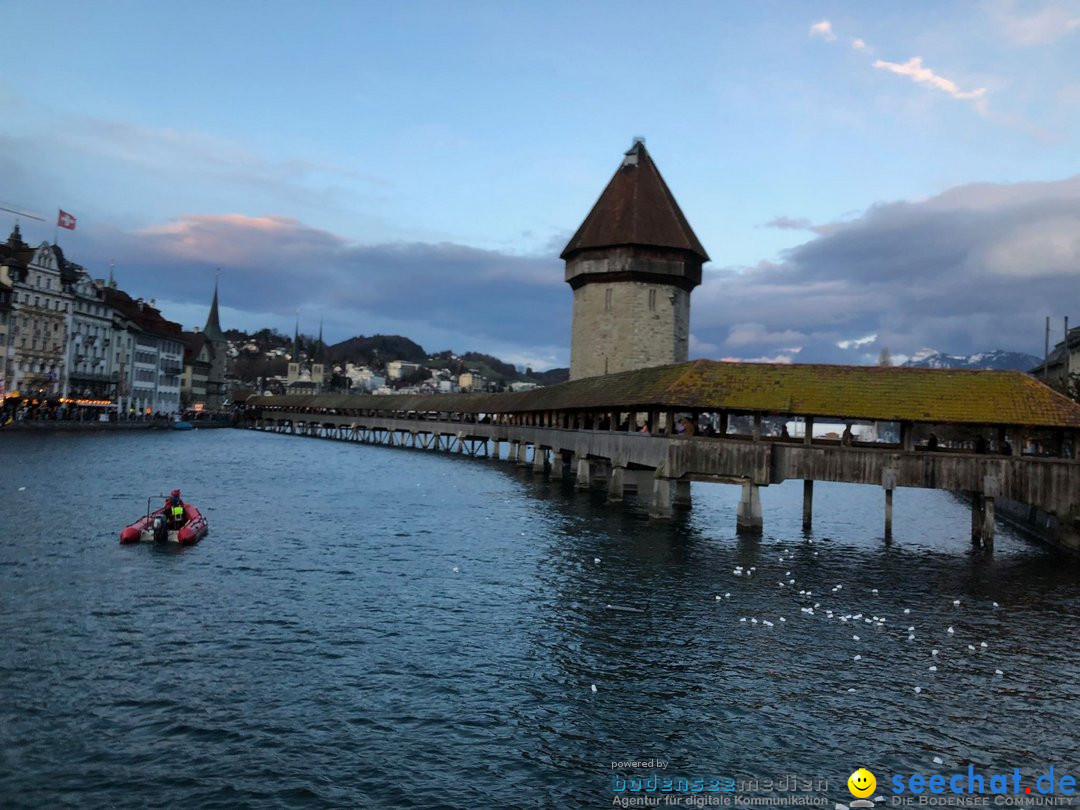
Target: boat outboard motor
x=160, y=528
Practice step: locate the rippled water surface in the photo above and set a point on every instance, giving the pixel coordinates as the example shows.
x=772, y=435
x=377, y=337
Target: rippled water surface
x=372, y=627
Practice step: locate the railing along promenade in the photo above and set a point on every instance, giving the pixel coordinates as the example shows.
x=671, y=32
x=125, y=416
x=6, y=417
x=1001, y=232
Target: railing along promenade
x=588, y=424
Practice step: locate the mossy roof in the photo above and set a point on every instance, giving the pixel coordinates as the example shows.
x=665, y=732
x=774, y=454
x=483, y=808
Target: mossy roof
x=938, y=396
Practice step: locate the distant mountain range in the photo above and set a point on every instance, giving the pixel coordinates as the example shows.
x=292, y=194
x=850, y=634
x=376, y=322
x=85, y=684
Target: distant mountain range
x=999, y=360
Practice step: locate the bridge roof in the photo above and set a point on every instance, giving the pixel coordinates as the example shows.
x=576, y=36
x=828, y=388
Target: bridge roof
x=936, y=396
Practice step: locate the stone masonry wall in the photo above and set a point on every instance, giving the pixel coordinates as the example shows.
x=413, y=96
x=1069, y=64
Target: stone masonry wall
x=615, y=329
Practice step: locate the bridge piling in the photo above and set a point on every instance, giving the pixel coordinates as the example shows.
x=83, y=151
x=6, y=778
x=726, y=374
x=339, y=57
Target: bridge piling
x=615, y=485
x=539, y=459
x=888, y=514
x=660, y=507
x=584, y=480
x=682, y=494
x=807, y=504
x=748, y=517
x=557, y=462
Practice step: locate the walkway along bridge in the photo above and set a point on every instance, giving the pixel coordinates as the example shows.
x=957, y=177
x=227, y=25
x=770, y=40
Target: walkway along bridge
x=990, y=434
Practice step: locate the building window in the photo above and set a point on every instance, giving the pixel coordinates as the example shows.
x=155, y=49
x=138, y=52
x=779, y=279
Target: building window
x=652, y=300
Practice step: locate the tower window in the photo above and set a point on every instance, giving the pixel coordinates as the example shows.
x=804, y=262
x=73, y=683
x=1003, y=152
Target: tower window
x=607, y=299
x=652, y=300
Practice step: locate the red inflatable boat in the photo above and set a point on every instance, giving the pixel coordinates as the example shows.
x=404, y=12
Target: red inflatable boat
x=155, y=526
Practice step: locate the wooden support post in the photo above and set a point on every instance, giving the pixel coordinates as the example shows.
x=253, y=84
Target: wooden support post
x=748, y=517
x=808, y=438
x=757, y=427
x=494, y=453
x=539, y=459
x=888, y=514
x=723, y=426
x=615, y=485
x=807, y=504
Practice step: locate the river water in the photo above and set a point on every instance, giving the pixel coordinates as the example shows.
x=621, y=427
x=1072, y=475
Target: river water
x=374, y=627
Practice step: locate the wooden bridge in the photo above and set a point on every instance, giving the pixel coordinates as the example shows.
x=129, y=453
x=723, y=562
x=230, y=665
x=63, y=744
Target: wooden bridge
x=993, y=435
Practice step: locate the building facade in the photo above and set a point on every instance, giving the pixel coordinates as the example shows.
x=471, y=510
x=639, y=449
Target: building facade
x=632, y=266
x=38, y=329
x=90, y=331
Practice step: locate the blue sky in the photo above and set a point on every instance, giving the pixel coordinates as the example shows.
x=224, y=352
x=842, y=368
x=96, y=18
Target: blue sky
x=863, y=175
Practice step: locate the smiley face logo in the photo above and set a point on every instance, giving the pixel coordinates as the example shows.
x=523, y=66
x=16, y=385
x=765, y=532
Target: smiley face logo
x=861, y=783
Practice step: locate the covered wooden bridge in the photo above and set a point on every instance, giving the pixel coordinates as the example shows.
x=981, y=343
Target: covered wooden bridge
x=992, y=434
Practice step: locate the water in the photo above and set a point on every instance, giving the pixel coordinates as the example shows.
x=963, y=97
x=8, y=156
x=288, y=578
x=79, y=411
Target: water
x=372, y=627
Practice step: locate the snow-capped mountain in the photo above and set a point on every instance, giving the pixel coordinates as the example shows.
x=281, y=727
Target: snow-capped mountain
x=1000, y=360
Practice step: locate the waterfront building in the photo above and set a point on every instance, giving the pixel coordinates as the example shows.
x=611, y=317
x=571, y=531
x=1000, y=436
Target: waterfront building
x=632, y=266
x=38, y=330
x=9, y=265
x=149, y=356
x=90, y=333
x=197, y=364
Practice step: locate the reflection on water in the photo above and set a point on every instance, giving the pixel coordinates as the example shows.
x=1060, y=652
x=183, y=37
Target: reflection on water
x=376, y=627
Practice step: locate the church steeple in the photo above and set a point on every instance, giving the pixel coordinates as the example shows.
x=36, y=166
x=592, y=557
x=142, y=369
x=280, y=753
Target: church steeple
x=213, y=325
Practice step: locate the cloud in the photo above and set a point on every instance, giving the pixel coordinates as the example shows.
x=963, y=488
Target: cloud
x=756, y=334
x=975, y=268
x=1049, y=24
x=443, y=295
x=823, y=29
x=856, y=343
x=785, y=223
x=789, y=223
x=913, y=68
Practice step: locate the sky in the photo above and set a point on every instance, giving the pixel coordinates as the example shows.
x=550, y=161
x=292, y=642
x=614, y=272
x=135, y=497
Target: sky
x=864, y=176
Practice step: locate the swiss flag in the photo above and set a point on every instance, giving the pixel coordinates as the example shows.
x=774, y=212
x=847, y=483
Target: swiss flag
x=65, y=220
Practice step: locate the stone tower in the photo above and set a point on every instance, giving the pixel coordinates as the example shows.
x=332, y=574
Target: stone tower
x=632, y=265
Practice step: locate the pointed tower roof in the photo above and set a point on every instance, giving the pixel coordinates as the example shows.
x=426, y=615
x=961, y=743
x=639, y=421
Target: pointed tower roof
x=213, y=325
x=636, y=208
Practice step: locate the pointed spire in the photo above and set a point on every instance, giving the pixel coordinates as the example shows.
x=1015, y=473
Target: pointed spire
x=636, y=208
x=296, y=339
x=212, y=330
x=112, y=278
x=319, y=345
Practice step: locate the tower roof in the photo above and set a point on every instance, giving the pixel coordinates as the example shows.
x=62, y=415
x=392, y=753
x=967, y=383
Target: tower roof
x=213, y=325
x=636, y=208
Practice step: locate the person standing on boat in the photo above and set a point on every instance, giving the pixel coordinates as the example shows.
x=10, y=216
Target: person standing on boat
x=174, y=509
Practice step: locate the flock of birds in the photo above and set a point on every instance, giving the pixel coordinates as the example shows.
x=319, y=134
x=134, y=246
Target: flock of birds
x=856, y=620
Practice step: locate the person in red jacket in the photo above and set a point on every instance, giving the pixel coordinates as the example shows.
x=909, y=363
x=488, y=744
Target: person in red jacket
x=174, y=510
